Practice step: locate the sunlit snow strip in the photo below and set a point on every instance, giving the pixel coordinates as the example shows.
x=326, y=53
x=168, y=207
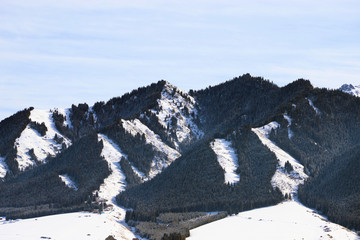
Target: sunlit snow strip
x=172, y=104
x=42, y=145
x=112, y=154
x=288, y=119
x=81, y=225
x=68, y=182
x=287, y=182
x=227, y=159
x=115, y=183
x=159, y=163
x=95, y=117
x=66, y=114
x=3, y=167
x=313, y=106
x=288, y=220
x=140, y=174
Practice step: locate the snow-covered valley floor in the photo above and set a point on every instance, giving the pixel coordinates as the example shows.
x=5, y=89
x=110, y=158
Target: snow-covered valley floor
x=287, y=220
x=81, y=225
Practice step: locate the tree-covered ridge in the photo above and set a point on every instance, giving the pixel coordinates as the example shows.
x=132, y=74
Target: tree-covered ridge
x=10, y=130
x=43, y=186
x=325, y=127
x=245, y=100
x=318, y=127
x=130, y=105
x=195, y=182
x=135, y=147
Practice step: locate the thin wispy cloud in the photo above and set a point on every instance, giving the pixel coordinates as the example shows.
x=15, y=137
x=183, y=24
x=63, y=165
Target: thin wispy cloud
x=101, y=49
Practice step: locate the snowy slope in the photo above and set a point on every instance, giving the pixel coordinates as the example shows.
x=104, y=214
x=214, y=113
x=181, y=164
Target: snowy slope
x=165, y=154
x=178, y=104
x=42, y=145
x=115, y=183
x=66, y=114
x=112, y=186
x=68, y=181
x=351, y=89
x=79, y=225
x=287, y=220
x=313, y=106
x=286, y=182
x=3, y=167
x=289, y=120
x=227, y=159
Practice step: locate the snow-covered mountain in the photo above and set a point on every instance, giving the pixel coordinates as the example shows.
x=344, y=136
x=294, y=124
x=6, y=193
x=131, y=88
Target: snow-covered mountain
x=351, y=89
x=240, y=145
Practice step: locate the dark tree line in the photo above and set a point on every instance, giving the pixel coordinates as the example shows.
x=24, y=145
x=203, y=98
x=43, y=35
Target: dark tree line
x=138, y=151
x=195, y=182
x=11, y=129
x=244, y=100
x=326, y=144
x=42, y=185
x=59, y=121
x=130, y=177
x=39, y=127
x=129, y=105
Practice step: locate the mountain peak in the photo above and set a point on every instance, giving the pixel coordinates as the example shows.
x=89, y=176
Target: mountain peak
x=350, y=89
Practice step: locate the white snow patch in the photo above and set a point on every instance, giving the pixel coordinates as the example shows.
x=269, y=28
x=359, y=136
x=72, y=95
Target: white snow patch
x=266, y=129
x=112, y=154
x=287, y=220
x=227, y=159
x=115, y=183
x=79, y=225
x=140, y=174
x=68, y=182
x=112, y=186
x=313, y=106
x=286, y=182
x=160, y=162
x=351, y=89
x=173, y=103
x=289, y=120
x=3, y=167
x=42, y=145
x=66, y=113
x=95, y=117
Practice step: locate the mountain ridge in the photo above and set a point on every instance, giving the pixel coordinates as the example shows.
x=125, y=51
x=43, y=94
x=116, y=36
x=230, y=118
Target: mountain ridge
x=164, y=136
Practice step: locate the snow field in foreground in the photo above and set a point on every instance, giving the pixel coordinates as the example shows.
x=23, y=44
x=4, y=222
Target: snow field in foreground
x=227, y=159
x=60, y=227
x=287, y=220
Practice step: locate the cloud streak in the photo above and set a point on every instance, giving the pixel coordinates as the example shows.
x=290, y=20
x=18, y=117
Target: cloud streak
x=62, y=52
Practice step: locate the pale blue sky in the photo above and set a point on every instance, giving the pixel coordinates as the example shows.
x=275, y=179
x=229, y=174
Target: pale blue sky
x=55, y=53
